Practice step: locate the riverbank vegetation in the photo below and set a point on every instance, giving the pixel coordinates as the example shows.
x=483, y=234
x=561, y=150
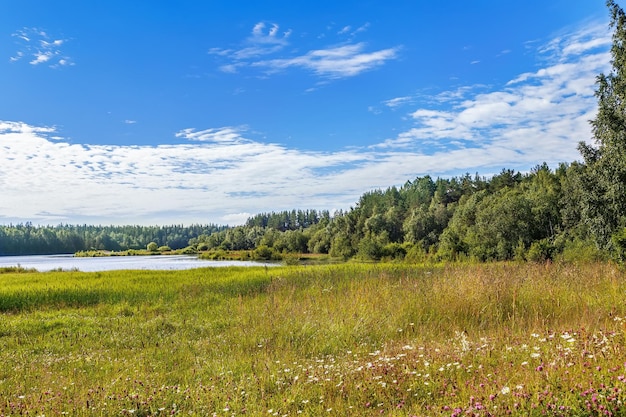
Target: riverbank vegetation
x=350, y=339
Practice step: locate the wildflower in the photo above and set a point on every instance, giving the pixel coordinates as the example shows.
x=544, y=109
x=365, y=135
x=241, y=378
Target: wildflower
x=505, y=390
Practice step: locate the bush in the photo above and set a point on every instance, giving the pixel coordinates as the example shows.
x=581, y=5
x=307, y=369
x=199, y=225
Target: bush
x=189, y=250
x=540, y=251
x=370, y=249
x=265, y=253
x=619, y=245
x=416, y=254
x=394, y=251
x=582, y=251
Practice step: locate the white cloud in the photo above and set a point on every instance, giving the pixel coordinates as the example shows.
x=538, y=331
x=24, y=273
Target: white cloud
x=214, y=179
x=39, y=48
x=337, y=62
x=263, y=41
x=221, y=135
x=269, y=36
x=345, y=29
x=537, y=116
x=334, y=61
x=398, y=101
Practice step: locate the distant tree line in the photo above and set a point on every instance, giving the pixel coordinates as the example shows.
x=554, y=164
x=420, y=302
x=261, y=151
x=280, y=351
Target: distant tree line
x=25, y=239
x=288, y=220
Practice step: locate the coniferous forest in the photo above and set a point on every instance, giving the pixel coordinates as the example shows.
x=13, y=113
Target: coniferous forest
x=576, y=210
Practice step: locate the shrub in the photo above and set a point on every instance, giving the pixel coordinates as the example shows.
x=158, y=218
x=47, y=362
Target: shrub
x=581, y=251
x=265, y=253
x=394, y=251
x=189, y=250
x=540, y=251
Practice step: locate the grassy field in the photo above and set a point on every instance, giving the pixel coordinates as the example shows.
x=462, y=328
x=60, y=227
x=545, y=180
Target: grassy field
x=396, y=340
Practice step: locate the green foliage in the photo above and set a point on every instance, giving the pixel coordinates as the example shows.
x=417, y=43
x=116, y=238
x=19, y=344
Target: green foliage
x=288, y=220
x=415, y=254
x=393, y=251
x=603, y=177
x=370, y=249
x=341, y=247
x=540, y=251
x=152, y=247
x=581, y=251
x=189, y=250
x=26, y=239
x=619, y=245
x=265, y=253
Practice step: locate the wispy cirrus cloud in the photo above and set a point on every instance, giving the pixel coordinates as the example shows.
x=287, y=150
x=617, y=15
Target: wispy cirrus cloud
x=544, y=112
x=332, y=61
x=265, y=39
x=222, y=135
x=398, y=101
x=336, y=62
x=37, y=47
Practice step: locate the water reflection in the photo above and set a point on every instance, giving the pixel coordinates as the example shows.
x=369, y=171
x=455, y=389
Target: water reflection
x=45, y=263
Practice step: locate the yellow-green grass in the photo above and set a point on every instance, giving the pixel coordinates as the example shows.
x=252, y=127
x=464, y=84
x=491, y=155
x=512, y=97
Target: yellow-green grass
x=492, y=339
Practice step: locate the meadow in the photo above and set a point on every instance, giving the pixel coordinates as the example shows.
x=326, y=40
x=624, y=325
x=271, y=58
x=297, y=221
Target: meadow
x=349, y=339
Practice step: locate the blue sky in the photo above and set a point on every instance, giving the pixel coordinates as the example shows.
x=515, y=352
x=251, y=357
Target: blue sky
x=180, y=112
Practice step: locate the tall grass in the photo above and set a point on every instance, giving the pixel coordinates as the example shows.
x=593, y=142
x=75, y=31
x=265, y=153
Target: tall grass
x=347, y=339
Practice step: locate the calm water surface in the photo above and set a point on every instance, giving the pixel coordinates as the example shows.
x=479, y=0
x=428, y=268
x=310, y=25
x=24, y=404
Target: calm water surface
x=44, y=263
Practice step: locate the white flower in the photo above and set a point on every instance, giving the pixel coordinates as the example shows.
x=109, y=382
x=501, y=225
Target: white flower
x=505, y=390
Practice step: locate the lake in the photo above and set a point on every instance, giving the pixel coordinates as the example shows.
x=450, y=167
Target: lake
x=45, y=263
